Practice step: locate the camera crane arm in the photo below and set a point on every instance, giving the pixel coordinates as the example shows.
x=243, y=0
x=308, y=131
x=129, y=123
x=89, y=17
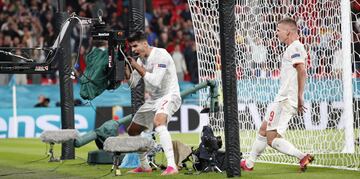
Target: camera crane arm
x=18, y=56
x=32, y=66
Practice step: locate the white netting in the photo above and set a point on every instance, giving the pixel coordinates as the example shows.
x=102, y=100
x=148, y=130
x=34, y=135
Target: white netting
x=323, y=128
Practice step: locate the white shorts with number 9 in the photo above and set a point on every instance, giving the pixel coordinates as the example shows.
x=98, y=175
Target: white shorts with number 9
x=279, y=115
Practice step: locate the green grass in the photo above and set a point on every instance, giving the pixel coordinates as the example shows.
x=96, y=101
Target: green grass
x=16, y=156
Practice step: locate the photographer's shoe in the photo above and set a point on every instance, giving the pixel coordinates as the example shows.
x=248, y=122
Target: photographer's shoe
x=244, y=167
x=170, y=171
x=140, y=170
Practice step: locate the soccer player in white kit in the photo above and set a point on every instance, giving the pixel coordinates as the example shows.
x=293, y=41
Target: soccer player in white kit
x=289, y=100
x=157, y=68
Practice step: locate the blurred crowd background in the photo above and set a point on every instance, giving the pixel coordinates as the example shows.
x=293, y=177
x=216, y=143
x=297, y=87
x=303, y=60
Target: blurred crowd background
x=168, y=24
x=30, y=23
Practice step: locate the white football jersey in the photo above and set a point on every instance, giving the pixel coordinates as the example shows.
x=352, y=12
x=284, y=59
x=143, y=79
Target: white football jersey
x=160, y=78
x=295, y=53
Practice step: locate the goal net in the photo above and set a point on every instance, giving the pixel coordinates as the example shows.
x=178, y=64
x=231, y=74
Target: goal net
x=329, y=128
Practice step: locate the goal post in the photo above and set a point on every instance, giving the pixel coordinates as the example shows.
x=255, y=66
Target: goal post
x=347, y=81
x=330, y=127
x=227, y=58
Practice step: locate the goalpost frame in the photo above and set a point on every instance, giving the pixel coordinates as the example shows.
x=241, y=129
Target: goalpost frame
x=137, y=23
x=347, y=81
x=66, y=85
x=227, y=47
x=331, y=122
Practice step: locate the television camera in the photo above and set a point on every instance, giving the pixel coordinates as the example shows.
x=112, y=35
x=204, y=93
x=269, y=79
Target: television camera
x=116, y=46
x=212, y=143
x=208, y=152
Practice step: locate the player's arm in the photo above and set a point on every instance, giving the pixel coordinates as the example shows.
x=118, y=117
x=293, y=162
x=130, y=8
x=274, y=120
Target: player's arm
x=156, y=76
x=298, y=59
x=141, y=70
x=301, y=77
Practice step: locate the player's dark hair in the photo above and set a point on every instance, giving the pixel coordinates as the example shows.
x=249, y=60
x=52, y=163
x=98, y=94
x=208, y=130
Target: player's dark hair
x=137, y=36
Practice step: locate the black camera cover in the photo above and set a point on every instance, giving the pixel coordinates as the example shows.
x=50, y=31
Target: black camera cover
x=208, y=153
x=209, y=143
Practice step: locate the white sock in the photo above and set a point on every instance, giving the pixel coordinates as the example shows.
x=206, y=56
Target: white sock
x=257, y=149
x=287, y=148
x=144, y=161
x=166, y=143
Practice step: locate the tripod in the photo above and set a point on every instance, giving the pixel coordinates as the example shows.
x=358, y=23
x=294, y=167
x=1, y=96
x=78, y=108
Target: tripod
x=51, y=153
x=212, y=167
x=151, y=156
x=116, y=163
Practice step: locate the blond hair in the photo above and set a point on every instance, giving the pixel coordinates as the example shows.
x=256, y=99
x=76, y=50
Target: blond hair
x=290, y=22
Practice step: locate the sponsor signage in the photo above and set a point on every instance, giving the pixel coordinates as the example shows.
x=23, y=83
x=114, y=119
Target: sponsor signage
x=187, y=119
x=31, y=122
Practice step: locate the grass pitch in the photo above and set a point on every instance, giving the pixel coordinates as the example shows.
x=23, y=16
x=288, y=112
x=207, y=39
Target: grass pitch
x=25, y=158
